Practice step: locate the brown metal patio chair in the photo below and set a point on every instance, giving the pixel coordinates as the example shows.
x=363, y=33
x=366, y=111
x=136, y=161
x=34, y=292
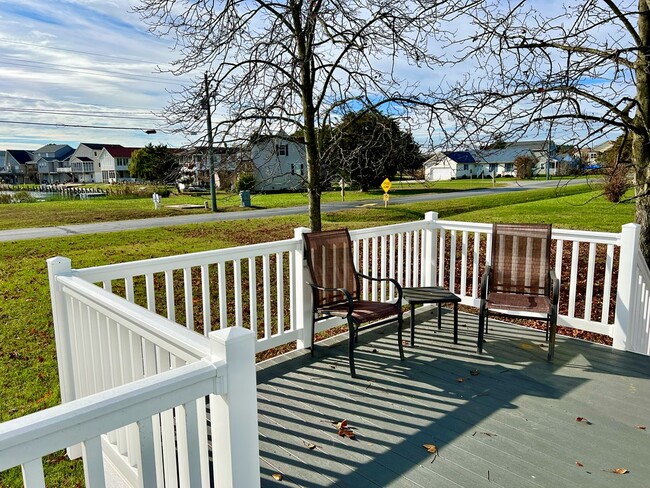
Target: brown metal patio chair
x=337, y=291
x=520, y=280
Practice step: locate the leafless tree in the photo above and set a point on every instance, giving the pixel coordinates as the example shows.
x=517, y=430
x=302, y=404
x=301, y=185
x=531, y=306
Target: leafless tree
x=297, y=65
x=581, y=70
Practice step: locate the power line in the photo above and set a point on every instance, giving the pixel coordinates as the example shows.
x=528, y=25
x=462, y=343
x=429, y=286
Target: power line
x=40, y=46
x=115, y=115
x=76, y=69
x=83, y=126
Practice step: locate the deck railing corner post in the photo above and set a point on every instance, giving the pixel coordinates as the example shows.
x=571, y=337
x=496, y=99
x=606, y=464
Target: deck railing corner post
x=235, y=413
x=302, y=295
x=61, y=266
x=627, y=274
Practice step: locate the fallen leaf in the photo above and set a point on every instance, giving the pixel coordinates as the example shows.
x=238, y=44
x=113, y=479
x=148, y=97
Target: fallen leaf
x=579, y=464
x=583, y=420
x=474, y=372
x=620, y=471
x=277, y=476
x=311, y=446
x=640, y=427
x=342, y=424
x=526, y=346
x=460, y=380
x=431, y=448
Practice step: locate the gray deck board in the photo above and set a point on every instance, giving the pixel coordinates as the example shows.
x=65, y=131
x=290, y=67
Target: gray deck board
x=512, y=425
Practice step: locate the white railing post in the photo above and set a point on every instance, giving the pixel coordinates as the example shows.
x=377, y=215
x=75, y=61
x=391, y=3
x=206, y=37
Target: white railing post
x=236, y=451
x=58, y=266
x=302, y=294
x=430, y=255
x=627, y=275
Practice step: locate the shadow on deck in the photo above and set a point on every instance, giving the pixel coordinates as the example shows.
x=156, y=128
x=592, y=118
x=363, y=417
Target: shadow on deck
x=512, y=425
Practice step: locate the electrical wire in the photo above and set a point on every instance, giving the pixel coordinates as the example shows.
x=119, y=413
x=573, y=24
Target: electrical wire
x=84, y=126
x=115, y=115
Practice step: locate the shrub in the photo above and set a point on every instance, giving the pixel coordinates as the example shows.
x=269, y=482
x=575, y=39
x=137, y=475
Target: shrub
x=246, y=181
x=23, y=197
x=5, y=198
x=524, y=166
x=616, y=182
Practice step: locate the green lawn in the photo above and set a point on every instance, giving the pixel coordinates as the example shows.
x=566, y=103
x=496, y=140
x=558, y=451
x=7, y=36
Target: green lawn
x=29, y=379
x=66, y=212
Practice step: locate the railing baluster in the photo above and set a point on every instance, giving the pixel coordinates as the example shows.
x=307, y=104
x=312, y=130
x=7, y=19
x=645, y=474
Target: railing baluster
x=151, y=292
x=189, y=299
x=33, y=474
x=575, y=254
x=452, y=261
x=266, y=280
x=366, y=269
x=589, y=292
x=416, y=258
x=252, y=294
x=147, y=471
x=223, y=295
x=475, y=265
x=279, y=290
x=382, y=267
x=169, y=295
x=408, y=266
x=93, y=463
x=239, y=321
x=392, y=263
x=205, y=299
x=441, y=259
x=607, y=284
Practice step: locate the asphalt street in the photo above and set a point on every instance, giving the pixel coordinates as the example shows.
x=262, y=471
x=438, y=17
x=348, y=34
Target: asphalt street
x=94, y=228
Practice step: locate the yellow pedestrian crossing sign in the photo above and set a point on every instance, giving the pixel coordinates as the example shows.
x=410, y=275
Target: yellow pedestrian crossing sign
x=386, y=185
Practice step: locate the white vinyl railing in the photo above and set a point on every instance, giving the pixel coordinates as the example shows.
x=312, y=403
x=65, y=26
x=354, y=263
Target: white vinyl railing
x=119, y=324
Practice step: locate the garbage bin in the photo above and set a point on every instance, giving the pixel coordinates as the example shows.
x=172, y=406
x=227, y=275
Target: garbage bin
x=245, y=197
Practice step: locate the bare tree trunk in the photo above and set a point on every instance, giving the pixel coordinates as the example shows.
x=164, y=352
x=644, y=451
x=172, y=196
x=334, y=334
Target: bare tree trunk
x=641, y=139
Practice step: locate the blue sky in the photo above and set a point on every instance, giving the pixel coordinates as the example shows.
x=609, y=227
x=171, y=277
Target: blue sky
x=80, y=62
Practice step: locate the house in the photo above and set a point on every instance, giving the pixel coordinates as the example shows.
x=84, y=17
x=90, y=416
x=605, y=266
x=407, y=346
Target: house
x=84, y=162
x=498, y=162
x=591, y=156
x=18, y=168
x=278, y=162
x=114, y=163
x=53, y=162
x=449, y=165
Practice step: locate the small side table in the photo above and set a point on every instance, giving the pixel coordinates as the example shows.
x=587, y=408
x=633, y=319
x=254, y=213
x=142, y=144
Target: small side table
x=430, y=294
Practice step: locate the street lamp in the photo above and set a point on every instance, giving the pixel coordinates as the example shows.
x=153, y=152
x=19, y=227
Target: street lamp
x=206, y=105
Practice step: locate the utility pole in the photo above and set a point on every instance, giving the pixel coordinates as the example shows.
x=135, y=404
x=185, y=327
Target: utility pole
x=206, y=106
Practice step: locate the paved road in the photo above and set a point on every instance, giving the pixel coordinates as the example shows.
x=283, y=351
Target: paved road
x=94, y=228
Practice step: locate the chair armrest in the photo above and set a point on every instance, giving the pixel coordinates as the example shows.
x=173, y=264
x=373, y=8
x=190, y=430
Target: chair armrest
x=555, y=287
x=484, y=281
x=395, y=283
x=346, y=293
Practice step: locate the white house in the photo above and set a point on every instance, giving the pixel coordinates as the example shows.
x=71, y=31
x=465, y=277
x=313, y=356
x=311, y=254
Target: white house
x=449, y=165
x=52, y=162
x=114, y=163
x=279, y=163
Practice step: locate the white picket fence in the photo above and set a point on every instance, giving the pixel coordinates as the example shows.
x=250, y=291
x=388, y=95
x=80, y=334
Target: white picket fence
x=118, y=325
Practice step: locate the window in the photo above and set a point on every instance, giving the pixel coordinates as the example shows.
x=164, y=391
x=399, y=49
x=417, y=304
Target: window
x=282, y=149
x=465, y=167
x=492, y=167
x=297, y=169
x=508, y=167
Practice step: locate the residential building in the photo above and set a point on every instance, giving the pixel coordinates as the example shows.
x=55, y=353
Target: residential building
x=449, y=165
x=278, y=163
x=499, y=162
x=18, y=168
x=114, y=163
x=52, y=163
x=85, y=167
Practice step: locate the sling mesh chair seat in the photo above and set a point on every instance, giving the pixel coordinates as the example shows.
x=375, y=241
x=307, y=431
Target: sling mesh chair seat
x=337, y=291
x=520, y=278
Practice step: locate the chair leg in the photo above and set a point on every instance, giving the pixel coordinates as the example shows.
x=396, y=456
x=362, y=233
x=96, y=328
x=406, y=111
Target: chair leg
x=551, y=339
x=352, y=334
x=400, y=342
x=481, y=325
x=313, y=336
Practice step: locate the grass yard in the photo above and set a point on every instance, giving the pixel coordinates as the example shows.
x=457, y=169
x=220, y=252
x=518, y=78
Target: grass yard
x=67, y=212
x=29, y=379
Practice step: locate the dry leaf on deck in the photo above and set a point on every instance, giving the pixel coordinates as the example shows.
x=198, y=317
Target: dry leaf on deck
x=640, y=427
x=430, y=448
x=460, y=380
x=311, y=446
x=583, y=420
x=342, y=424
x=526, y=346
x=579, y=464
x=277, y=476
x=620, y=471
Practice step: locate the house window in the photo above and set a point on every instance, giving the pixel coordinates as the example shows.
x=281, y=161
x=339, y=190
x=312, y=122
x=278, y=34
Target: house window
x=282, y=149
x=465, y=167
x=492, y=168
x=508, y=167
x=297, y=169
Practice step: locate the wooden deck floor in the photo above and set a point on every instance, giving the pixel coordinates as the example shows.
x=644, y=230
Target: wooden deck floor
x=512, y=425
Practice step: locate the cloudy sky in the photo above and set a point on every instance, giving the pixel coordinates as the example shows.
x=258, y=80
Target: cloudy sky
x=72, y=63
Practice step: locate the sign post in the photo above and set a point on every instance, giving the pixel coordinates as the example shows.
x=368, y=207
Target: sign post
x=386, y=185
